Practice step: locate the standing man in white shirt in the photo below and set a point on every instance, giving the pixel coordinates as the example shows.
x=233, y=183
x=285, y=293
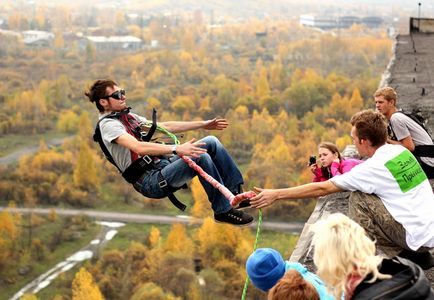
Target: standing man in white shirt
x=400, y=216
x=404, y=131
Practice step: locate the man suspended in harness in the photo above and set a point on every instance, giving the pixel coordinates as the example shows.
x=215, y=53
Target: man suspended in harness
x=155, y=169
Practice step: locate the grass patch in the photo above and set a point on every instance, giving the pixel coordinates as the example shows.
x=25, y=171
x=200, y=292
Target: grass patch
x=281, y=241
x=12, y=142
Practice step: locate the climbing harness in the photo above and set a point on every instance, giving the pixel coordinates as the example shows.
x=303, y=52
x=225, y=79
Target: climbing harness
x=139, y=165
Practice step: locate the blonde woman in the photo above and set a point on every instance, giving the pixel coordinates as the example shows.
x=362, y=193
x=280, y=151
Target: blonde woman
x=346, y=262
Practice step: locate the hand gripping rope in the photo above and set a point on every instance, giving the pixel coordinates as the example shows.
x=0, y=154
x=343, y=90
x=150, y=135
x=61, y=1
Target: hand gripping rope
x=234, y=200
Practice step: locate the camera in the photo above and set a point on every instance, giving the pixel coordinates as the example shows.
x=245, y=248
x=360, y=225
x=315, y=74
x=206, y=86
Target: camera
x=312, y=160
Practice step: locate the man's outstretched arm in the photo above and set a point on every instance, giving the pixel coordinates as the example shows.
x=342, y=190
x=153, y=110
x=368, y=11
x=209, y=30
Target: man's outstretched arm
x=266, y=197
x=190, y=148
x=181, y=126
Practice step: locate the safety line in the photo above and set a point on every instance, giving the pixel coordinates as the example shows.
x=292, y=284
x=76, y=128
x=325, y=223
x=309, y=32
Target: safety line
x=258, y=232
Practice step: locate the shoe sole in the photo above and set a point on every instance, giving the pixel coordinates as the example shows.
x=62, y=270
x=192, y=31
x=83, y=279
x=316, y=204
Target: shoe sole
x=237, y=225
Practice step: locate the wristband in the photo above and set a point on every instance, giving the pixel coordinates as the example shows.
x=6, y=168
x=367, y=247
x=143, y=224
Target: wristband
x=174, y=150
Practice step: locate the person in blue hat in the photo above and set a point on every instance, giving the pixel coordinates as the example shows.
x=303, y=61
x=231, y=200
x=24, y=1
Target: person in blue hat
x=266, y=269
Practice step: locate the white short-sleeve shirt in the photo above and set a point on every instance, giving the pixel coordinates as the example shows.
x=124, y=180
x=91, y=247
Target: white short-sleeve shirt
x=395, y=176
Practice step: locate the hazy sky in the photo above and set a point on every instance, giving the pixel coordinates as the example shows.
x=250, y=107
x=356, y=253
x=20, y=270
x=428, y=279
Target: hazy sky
x=247, y=7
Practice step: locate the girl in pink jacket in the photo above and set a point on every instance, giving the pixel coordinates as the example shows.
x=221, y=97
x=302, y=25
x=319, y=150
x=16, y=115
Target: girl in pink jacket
x=332, y=163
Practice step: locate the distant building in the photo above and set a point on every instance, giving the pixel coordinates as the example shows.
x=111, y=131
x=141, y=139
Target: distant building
x=115, y=43
x=37, y=38
x=317, y=21
x=331, y=22
x=424, y=25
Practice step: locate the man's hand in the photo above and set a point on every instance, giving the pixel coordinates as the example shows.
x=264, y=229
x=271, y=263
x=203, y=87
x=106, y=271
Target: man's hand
x=191, y=148
x=265, y=197
x=215, y=124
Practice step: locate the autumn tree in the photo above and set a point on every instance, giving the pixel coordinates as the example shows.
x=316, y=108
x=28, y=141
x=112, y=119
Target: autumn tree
x=151, y=291
x=307, y=90
x=8, y=238
x=84, y=288
x=178, y=240
x=85, y=173
x=29, y=297
x=85, y=129
x=68, y=122
x=201, y=207
x=235, y=138
x=263, y=87
x=278, y=158
x=154, y=238
x=176, y=272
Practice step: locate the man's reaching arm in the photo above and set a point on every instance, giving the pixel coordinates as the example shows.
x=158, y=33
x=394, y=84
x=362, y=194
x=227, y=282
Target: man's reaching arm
x=190, y=148
x=181, y=126
x=267, y=197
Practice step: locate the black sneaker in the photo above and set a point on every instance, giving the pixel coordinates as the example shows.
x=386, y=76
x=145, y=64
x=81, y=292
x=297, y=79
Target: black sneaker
x=424, y=259
x=234, y=217
x=244, y=204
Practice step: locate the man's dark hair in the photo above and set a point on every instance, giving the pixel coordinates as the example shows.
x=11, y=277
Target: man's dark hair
x=98, y=91
x=370, y=125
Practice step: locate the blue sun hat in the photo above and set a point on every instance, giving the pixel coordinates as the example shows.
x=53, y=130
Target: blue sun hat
x=265, y=268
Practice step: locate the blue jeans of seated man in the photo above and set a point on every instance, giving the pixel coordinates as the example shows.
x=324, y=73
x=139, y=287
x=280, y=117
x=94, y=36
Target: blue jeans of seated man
x=216, y=162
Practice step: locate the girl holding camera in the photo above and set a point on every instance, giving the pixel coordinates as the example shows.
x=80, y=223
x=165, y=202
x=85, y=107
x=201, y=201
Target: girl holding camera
x=331, y=162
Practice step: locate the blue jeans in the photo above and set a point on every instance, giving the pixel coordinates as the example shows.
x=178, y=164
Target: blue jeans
x=216, y=162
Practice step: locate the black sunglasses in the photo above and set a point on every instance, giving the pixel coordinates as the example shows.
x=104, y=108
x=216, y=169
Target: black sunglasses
x=116, y=95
